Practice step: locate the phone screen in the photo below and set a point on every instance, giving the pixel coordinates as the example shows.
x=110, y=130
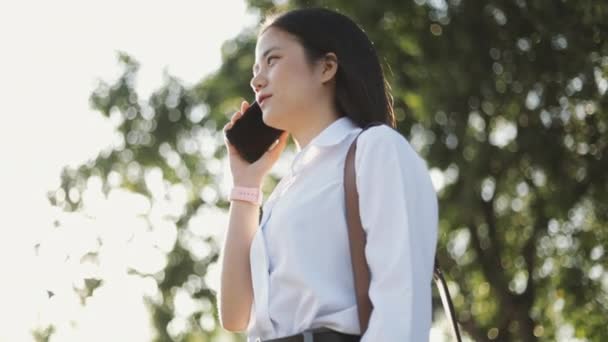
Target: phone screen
x=250, y=135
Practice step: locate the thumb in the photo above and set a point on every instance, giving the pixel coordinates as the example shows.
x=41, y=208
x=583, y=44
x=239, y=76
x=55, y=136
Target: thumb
x=279, y=144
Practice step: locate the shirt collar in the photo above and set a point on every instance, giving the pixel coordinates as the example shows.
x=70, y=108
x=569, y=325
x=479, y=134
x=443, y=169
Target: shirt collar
x=334, y=133
x=331, y=135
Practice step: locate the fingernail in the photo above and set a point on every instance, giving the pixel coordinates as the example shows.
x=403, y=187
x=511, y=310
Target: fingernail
x=276, y=142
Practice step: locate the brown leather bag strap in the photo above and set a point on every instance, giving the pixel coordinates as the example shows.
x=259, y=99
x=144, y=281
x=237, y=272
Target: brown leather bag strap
x=356, y=239
x=361, y=273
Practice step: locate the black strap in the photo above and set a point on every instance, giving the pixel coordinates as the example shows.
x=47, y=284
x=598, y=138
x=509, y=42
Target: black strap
x=446, y=300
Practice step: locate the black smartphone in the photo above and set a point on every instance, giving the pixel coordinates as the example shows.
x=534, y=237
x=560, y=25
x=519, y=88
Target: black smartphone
x=250, y=135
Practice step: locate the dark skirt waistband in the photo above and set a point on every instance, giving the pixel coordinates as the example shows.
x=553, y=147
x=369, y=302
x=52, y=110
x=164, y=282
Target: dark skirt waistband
x=318, y=335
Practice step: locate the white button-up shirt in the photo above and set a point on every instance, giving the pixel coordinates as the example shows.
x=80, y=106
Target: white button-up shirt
x=300, y=258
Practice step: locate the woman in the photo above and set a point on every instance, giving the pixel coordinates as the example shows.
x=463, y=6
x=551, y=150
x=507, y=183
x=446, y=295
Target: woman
x=289, y=277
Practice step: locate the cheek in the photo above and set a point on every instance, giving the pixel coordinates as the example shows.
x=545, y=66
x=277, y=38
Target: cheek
x=294, y=89
x=295, y=86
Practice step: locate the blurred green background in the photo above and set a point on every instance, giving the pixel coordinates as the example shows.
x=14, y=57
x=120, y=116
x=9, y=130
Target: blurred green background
x=506, y=100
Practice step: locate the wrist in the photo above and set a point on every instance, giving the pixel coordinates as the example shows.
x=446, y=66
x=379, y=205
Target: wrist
x=246, y=194
x=247, y=183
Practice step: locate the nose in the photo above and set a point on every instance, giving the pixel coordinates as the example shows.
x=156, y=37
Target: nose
x=257, y=83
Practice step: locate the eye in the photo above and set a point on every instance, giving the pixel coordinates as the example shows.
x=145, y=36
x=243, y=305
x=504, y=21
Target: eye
x=270, y=58
x=267, y=62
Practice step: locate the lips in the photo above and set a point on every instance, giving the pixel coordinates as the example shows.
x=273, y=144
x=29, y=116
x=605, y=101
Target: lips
x=262, y=98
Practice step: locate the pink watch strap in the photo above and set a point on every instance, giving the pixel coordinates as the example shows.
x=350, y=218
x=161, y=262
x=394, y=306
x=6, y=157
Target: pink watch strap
x=253, y=195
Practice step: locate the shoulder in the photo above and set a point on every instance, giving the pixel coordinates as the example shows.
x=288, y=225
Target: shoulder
x=385, y=161
x=383, y=141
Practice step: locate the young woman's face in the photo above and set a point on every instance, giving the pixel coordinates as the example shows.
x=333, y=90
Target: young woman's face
x=282, y=71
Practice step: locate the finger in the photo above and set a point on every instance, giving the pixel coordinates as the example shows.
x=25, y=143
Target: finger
x=235, y=117
x=279, y=143
x=274, y=144
x=283, y=137
x=244, y=106
x=227, y=126
x=231, y=149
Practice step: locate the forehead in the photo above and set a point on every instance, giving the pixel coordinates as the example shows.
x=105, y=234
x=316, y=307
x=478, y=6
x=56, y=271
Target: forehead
x=273, y=38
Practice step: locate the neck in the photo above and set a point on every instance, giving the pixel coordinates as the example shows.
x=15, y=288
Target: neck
x=303, y=134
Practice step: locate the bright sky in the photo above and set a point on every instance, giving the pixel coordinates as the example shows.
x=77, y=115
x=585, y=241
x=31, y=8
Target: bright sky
x=52, y=54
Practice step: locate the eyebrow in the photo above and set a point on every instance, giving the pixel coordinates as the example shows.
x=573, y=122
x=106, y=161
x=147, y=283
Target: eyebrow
x=264, y=55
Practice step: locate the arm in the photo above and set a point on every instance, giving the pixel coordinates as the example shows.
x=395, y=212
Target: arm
x=236, y=289
x=398, y=211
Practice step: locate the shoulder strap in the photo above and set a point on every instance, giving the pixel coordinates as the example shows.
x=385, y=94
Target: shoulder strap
x=357, y=247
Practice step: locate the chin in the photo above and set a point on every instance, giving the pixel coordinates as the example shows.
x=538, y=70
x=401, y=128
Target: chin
x=271, y=121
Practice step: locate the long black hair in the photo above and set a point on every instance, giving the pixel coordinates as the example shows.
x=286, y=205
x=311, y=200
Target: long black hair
x=362, y=92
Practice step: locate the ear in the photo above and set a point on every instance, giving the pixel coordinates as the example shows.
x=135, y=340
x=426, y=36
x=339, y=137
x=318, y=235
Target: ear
x=329, y=67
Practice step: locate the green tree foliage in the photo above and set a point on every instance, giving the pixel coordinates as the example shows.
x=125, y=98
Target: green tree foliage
x=507, y=102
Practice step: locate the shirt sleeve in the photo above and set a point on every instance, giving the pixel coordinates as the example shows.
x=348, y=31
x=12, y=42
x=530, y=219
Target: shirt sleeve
x=398, y=209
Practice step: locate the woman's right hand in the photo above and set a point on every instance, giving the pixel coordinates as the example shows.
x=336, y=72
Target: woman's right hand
x=244, y=173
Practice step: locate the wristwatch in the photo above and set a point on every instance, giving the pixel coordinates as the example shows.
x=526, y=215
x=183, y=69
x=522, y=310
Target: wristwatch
x=253, y=195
